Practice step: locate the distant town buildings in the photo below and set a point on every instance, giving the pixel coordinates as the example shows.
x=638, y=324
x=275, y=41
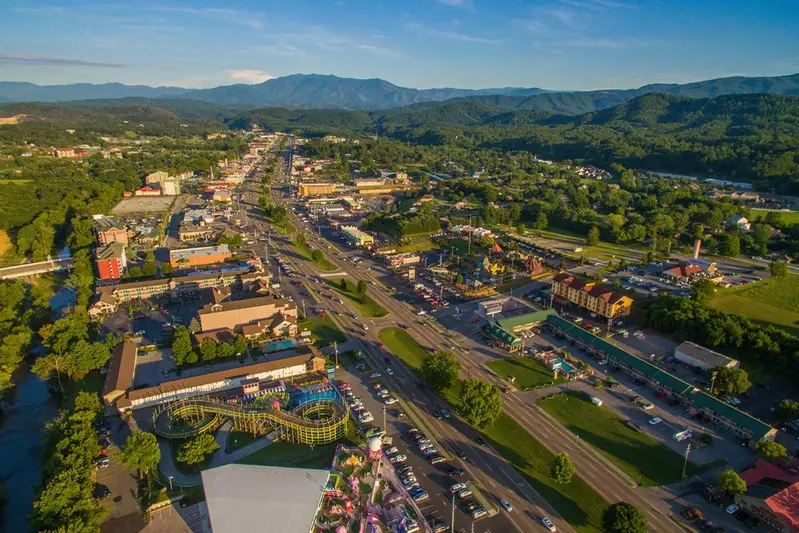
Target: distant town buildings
x=111, y=261
x=260, y=312
x=590, y=296
x=148, y=190
x=738, y=221
x=701, y=357
x=108, y=230
x=316, y=189
x=168, y=185
x=63, y=153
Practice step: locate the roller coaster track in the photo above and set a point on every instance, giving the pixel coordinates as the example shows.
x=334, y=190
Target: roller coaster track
x=316, y=422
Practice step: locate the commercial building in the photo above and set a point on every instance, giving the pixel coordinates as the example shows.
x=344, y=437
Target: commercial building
x=148, y=190
x=121, y=368
x=109, y=297
x=281, y=365
x=691, y=271
x=269, y=499
x=315, y=189
x=221, y=195
x=491, y=308
x=238, y=313
x=64, y=153
x=402, y=260
x=206, y=255
x=701, y=357
x=169, y=185
x=111, y=261
x=504, y=333
x=357, y=237
x=109, y=230
x=590, y=296
x=772, y=495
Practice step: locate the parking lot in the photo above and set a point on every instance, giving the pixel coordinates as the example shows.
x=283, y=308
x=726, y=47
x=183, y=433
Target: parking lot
x=174, y=519
x=434, y=479
x=117, y=486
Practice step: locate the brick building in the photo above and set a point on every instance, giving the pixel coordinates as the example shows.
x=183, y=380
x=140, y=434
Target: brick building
x=207, y=255
x=590, y=296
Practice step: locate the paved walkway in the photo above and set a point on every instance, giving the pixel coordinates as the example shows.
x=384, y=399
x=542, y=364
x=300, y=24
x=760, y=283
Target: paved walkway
x=169, y=469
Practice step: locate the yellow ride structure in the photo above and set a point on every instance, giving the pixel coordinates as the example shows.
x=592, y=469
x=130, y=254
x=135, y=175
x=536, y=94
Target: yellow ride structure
x=315, y=422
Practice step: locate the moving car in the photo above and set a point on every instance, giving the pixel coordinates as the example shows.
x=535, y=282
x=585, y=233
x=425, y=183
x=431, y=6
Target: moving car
x=548, y=524
x=389, y=371
x=655, y=421
x=506, y=504
x=647, y=406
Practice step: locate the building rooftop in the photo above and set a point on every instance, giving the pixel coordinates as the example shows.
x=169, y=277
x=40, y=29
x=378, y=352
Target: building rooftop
x=111, y=251
x=268, y=499
x=188, y=253
x=245, y=304
x=121, y=367
x=703, y=354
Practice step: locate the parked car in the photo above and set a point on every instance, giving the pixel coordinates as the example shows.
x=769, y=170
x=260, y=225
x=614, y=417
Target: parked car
x=548, y=524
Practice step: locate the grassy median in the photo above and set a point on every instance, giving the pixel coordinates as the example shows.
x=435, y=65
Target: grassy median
x=322, y=264
x=578, y=503
x=366, y=306
x=529, y=373
x=637, y=453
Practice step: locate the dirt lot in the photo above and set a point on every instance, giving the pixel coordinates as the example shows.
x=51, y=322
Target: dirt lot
x=144, y=204
x=5, y=242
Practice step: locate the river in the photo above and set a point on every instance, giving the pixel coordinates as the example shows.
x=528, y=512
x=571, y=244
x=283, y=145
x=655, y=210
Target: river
x=21, y=442
x=22, y=434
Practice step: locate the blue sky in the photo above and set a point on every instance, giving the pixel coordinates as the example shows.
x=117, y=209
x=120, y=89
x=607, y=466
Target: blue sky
x=555, y=44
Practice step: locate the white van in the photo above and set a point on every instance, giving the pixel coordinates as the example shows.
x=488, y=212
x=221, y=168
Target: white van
x=596, y=401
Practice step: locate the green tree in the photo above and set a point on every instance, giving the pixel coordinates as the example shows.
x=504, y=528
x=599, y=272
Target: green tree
x=730, y=482
x=141, y=452
x=521, y=229
x=182, y=347
x=541, y=221
x=771, y=449
x=361, y=289
x=702, y=290
x=194, y=325
x=598, y=384
x=85, y=357
x=730, y=381
x=774, y=219
x=52, y=365
x=562, y=468
x=317, y=256
x=624, y=518
x=778, y=269
x=166, y=268
x=195, y=450
x=787, y=410
x=592, y=239
x=761, y=233
x=480, y=403
x=208, y=350
x=440, y=370
x=301, y=241
x=730, y=246
x=149, y=268
x=239, y=345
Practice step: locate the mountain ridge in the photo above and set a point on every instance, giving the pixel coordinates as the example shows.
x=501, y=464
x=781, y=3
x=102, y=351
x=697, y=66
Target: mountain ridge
x=319, y=91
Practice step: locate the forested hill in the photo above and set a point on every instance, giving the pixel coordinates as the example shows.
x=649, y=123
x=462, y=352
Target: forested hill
x=314, y=91
x=741, y=137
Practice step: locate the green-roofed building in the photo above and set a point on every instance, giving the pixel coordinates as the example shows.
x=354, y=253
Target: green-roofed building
x=503, y=332
x=695, y=399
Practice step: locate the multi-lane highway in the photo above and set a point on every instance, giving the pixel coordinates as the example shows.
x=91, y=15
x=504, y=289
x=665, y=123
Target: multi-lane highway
x=483, y=464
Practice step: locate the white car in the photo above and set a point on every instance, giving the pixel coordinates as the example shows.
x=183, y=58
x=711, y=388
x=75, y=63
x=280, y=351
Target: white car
x=655, y=421
x=647, y=406
x=389, y=371
x=392, y=450
x=548, y=524
x=731, y=509
x=398, y=459
x=390, y=400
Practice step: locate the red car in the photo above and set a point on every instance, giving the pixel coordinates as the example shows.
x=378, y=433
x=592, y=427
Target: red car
x=320, y=313
x=381, y=344
x=377, y=386
x=661, y=394
x=404, y=326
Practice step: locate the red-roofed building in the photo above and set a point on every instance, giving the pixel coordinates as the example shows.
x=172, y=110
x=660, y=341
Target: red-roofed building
x=682, y=272
x=148, y=190
x=772, y=495
x=588, y=295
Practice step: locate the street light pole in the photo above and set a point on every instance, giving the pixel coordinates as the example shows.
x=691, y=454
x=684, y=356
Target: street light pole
x=170, y=482
x=685, y=464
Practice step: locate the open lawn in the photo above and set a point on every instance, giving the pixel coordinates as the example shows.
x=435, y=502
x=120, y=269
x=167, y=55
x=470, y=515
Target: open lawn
x=771, y=301
x=322, y=264
x=285, y=227
x=400, y=343
x=566, y=242
x=514, y=284
x=5, y=243
x=643, y=458
x=529, y=373
x=323, y=330
x=288, y=454
x=416, y=246
x=788, y=217
x=368, y=307
x=577, y=502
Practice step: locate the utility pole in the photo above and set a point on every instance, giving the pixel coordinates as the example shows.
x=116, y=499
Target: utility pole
x=470, y=235
x=685, y=464
x=335, y=349
x=452, y=521
x=385, y=426
x=713, y=380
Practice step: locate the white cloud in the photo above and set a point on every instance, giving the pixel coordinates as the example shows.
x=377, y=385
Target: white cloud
x=248, y=75
x=465, y=4
x=450, y=35
x=242, y=18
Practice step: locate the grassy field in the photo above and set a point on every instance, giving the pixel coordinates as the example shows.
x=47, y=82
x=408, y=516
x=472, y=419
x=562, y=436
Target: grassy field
x=323, y=264
x=401, y=344
x=529, y=373
x=368, y=307
x=323, y=330
x=416, y=246
x=789, y=217
x=515, y=284
x=771, y=301
x=296, y=455
x=577, y=502
x=5, y=243
x=14, y=182
x=638, y=454
x=603, y=251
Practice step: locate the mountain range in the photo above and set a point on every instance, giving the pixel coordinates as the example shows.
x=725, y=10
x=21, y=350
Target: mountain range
x=315, y=91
